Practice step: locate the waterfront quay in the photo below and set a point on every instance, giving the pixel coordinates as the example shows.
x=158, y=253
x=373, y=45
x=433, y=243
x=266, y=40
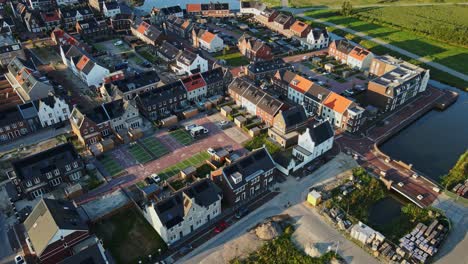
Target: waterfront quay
x=398, y=175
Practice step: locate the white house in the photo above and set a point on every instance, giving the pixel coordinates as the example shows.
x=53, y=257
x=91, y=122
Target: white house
x=184, y=211
x=52, y=110
x=196, y=87
x=83, y=65
x=318, y=38
x=111, y=8
x=252, y=7
x=316, y=140
x=211, y=42
x=123, y=115
x=360, y=58
x=190, y=63
x=297, y=89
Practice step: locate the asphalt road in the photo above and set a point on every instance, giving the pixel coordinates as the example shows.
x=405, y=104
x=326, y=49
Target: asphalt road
x=295, y=192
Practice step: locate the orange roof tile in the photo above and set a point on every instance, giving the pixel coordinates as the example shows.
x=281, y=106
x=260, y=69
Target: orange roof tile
x=185, y=24
x=194, y=82
x=359, y=53
x=208, y=37
x=82, y=63
x=143, y=27
x=299, y=26
x=337, y=102
x=193, y=7
x=301, y=84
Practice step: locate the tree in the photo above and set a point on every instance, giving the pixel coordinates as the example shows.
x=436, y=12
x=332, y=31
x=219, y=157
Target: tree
x=346, y=8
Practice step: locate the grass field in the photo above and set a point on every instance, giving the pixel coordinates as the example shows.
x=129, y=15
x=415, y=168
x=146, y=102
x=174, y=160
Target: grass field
x=338, y=3
x=139, y=153
x=182, y=136
x=156, y=148
x=110, y=165
x=446, y=54
x=234, y=59
x=129, y=237
x=196, y=160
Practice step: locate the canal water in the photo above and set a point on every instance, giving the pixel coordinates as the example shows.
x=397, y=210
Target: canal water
x=149, y=4
x=434, y=142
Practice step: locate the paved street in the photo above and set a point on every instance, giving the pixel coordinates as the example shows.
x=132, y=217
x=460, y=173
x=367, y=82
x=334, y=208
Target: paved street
x=39, y=136
x=295, y=192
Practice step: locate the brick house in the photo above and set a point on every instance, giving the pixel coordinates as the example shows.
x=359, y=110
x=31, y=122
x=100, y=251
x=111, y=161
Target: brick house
x=300, y=29
x=254, y=49
x=342, y=113
x=8, y=96
x=178, y=26
x=283, y=21
x=70, y=16
x=129, y=86
x=12, y=125
x=286, y=126
x=159, y=15
x=209, y=10
x=195, y=86
x=90, y=127
x=281, y=81
x=269, y=14
x=298, y=86
x=340, y=49
x=122, y=22
x=146, y=32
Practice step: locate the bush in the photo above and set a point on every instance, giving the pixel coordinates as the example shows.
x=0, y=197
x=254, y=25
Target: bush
x=458, y=174
x=260, y=140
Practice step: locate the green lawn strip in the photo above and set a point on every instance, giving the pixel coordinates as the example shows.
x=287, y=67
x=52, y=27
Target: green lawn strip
x=195, y=160
x=129, y=237
x=110, y=165
x=234, y=59
x=139, y=153
x=155, y=147
x=182, y=137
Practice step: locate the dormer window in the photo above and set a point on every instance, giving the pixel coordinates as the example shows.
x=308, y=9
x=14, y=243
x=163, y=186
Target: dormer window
x=28, y=184
x=56, y=172
x=37, y=180
x=67, y=167
x=49, y=175
x=75, y=164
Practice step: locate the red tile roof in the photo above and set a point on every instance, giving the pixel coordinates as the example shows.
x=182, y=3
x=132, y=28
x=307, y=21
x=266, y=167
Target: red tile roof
x=359, y=53
x=208, y=37
x=194, y=82
x=299, y=26
x=193, y=7
x=301, y=84
x=337, y=102
x=143, y=27
x=82, y=63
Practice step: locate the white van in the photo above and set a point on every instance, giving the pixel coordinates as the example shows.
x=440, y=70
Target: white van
x=198, y=130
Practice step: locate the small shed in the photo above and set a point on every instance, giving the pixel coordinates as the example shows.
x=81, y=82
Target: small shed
x=169, y=121
x=220, y=154
x=329, y=67
x=226, y=110
x=240, y=120
x=314, y=198
x=190, y=112
x=135, y=134
x=188, y=172
x=73, y=191
x=254, y=131
x=106, y=145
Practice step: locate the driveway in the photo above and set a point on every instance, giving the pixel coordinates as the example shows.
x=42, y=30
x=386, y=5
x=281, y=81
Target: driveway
x=309, y=221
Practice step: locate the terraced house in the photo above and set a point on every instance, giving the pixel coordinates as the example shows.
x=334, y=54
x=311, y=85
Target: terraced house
x=146, y=32
x=93, y=28
x=178, y=26
x=195, y=86
x=206, y=40
x=184, y=211
x=43, y=172
x=118, y=85
x=342, y=113
x=209, y=10
x=12, y=125
x=340, y=49
x=254, y=49
x=297, y=88
x=286, y=126
x=217, y=81
x=159, y=15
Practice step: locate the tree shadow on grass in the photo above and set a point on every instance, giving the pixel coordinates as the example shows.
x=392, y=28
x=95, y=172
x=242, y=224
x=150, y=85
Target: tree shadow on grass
x=457, y=62
x=418, y=47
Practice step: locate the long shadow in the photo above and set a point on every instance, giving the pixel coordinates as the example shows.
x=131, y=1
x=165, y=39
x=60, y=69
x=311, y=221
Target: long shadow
x=457, y=62
x=418, y=47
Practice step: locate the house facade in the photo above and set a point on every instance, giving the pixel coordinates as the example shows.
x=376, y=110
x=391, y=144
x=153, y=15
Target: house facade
x=159, y=15
x=252, y=7
x=297, y=89
x=266, y=69
x=360, y=58
x=110, y=8
x=167, y=52
x=342, y=113
x=207, y=40
x=340, y=49
x=195, y=86
x=118, y=85
x=286, y=126
x=213, y=9
x=70, y=16
x=43, y=172
x=217, y=81
x=281, y=81
x=190, y=63
x=90, y=127
x=52, y=110
x=318, y=38
x=123, y=115
x=93, y=28
x=178, y=26
x=184, y=211
x=313, y=100
x=12, y=125
x=246, y=178
x=254, y=49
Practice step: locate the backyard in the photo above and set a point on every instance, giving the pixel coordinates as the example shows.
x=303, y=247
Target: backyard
x=233, y=59
x=260, y=140
x=129, y=237
x=182, y=137
x=196, y=160
x=110, y=165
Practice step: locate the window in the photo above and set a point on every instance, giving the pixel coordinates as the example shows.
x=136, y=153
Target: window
x=56, y=181
x=13, y=125
x=28, y=184
x=67, y=167
x=91, y=129
x=64, y=110
x=37, y=180
x=56, y=172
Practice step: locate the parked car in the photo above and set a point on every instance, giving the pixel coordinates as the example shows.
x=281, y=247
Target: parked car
x=222, y=225
x=118, y=43
x=211, y=151
x=243, y=211
x=19, y=260
x=224, y=124
x=185, y=249
x=155, y=177
x=173, y=128
x=146, y=64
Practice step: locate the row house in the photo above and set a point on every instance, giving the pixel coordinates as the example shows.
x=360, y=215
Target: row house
x=8, y=97
x=41, y=4
x=83, y=65
x=360, y=58
x=340, y=49
x=209, y=10
x=167, y=52
x=178, y=26
x=9, y=49
x=70, y=16
x=342, y=113
x=28, y=83
x=44, y=172
x=185, y=211
x=62, y=38
x=246, y=178
x=217, y=81
x=281, y=81
x=252, y=7
x=52, y=110
x=255, y=100
x=313, y=142
x=268, y=15
x=313, y=100
x=318, y=38
x=159, y=103
x=51, y=19
x=300, y=29
x=12, y=125
x=122, y=23
x=254, y=49
x=128, y=87
x=93, y=28
x=146, y=32
x=266, y=69
x=206, y=40
x=286, y=126
x=160, y=15
x=33, y=21
x=195, y=86
x=190, y=63
x=396, y=82
x=54, y=228
x=111, y=8
x=283, y=21
x=298, y=86
x=122, y=115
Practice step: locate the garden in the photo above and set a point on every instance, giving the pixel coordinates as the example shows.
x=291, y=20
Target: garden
x=129, y=237
x=260, y=140
x=139, y=153
x=233, y=59
x=154, y=146
x=110, y=165
x=195, y=160
x=182, y=136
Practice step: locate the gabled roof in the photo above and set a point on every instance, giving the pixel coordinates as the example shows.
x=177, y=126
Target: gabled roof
x=187, y=57
x=301, y=84
x=239, y=85
x=254, y=43
x=193, y=82
x=161, y=94
x=169, y=10
x=149, y=31
x=69, y=13
x=193, y=8
x=284, y=75
x=293, y=116
x=208, y=36
x=47, y=218
x=320, y=133
x=168, y=50
x=344, y=46
x=268, y=65
x=359, y=53
x=317, y=32
x=9, y=116
x=269, y=104
x=213, y=76
x=299, y=26
x=282, y=18
x=317, y=93
x=111, y=5
x=337, y=102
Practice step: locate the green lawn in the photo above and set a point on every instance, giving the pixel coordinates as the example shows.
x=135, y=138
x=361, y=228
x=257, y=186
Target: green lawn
x=139, y=153
x=260, y=140
x=156, y=147
x=129, y=237
x=338, y=3
x=182, y=136
x=196, y=160
x=234, y=59
x=449, y=55
x=110, y=165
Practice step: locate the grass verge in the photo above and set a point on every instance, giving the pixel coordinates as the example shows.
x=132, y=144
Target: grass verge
x=196, y=160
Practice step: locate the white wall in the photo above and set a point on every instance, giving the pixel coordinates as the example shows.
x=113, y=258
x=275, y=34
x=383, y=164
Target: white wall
x=199, y=62
x=197, y=93
x=49, y=116
x=96, y=75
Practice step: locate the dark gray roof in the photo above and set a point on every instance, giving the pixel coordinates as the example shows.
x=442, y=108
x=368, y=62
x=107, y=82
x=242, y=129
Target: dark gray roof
x=286, y=75
x=239, y=85
x=89, y=255
x=168, y=50
x=215, y=6
x=187, y=57
x=170, y=10
x=115, y=108
x=97, y=115
x=9, y=116
x=283, y=157
x=112, y=5
x=134, y=82
x=321, y=132
x=38, y=164
x=161, y=94
x=294, y=116
x=213, y=76
x=317, y=93
x=317, y=32
x=69, y=13
x=171, y=210
x=258, y=161
x=282, y=18
x=344, y=46
x=269, y=104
